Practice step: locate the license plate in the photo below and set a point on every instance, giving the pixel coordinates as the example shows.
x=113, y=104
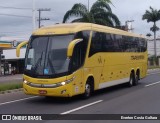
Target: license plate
x=42, y=92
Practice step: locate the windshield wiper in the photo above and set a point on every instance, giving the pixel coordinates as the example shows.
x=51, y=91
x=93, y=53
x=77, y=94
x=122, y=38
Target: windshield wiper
x=38, y=62
x=52, y=67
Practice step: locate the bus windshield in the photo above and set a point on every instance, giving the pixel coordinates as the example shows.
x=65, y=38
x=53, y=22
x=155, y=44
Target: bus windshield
x=47, y=55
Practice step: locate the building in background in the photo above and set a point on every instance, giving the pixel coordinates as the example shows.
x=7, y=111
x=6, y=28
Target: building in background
x=151, y=47
x=10, y=64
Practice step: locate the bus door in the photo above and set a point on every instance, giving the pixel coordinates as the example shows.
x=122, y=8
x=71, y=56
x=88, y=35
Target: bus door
x=77, y=61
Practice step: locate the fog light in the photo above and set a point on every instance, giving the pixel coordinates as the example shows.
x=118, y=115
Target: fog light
x=64, y=91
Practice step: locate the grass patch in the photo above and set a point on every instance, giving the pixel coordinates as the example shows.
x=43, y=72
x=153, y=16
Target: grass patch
x=153, y=67
x=5, y=87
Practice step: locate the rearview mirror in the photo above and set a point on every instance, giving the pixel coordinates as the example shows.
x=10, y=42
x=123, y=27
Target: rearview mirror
x=71, y=46
x=19, y=47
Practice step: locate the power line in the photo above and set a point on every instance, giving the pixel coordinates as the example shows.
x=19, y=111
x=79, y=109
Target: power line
x=15, y=15
x=13, y=34
x=16, y=36
x=6, y=7
x=16, y=32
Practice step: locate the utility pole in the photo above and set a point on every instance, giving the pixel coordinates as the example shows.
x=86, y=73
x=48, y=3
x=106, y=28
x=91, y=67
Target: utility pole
x=88, y=5
x=129, y=25
x=33, y=15
x=1, y=52
x=41, y=19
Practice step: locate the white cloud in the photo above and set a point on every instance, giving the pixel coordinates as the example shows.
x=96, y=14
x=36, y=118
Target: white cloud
x=22, y=27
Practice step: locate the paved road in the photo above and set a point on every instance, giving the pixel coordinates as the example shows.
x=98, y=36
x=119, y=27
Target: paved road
x=11, y=79
x=141, y=99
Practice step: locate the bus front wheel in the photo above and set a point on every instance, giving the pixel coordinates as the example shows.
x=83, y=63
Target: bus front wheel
x=88, y=90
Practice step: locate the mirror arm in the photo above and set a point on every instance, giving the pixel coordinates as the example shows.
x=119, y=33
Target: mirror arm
x=72, y=45
x=19, y=47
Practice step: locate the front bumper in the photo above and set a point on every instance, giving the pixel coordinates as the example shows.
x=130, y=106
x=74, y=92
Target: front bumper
x=62, y=91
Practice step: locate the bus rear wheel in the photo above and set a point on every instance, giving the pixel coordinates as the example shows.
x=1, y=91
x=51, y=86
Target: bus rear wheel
x=131, y=80
x=136, y=80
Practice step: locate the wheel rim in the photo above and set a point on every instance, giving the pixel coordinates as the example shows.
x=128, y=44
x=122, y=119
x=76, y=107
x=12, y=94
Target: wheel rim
x=131, y=81
x=87, y=90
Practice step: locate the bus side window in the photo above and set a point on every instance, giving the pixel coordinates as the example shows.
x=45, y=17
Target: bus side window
x=108, y=43
x=119, y=41
x=125, y=44
x=143, y=44
x=116, y=45
x=138, y=44
x=133, y=44
x=96, y=43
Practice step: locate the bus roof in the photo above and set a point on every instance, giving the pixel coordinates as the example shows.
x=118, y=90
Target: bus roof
x=68, y=28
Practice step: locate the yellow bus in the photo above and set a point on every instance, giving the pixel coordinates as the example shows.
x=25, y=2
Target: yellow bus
x=70, y=59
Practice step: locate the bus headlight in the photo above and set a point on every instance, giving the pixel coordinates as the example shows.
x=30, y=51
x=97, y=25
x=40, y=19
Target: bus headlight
x=66, y=82
x=63, y=83
x=26, y=82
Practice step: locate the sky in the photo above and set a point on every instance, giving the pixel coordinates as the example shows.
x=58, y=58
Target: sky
x=20, y=28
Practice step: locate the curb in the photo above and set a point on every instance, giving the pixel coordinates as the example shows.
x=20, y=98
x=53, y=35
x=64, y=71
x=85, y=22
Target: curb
x=153, y=69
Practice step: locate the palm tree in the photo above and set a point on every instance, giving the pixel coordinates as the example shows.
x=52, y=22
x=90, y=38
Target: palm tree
x=152, y=16
x=148, y=34
x=154, y=28
x=100, y=13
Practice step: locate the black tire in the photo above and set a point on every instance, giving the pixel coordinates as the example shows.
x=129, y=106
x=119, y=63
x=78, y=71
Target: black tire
x=131, y=80
x=136, y=80
x=48, y=97
x=88, y=90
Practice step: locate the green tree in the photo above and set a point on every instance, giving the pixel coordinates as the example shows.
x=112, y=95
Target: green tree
x=148, y=34
x=100, y=13
x=154, y=28
x=152, y=15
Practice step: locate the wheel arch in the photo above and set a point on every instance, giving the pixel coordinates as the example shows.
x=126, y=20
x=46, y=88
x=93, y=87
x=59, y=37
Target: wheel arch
x=133, y=71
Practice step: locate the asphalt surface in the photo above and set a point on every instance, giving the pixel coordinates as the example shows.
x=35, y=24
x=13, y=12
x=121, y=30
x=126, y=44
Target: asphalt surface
x=17, y=78
x=141, y=99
